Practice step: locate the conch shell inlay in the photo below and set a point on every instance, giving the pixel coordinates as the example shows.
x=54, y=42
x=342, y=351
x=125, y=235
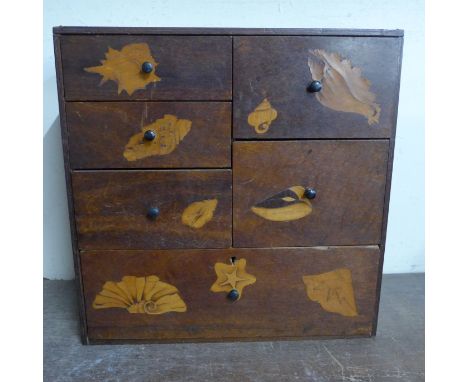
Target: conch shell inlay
x=343, y=86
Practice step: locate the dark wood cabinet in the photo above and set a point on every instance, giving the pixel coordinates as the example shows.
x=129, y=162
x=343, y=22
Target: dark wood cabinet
x=227, y=184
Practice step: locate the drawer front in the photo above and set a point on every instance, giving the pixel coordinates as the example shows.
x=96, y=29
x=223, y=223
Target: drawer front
x=177, y=67
x=272, y=207
x=178, y=134
x=179, y=295
x=153, y=209
x=359, y=80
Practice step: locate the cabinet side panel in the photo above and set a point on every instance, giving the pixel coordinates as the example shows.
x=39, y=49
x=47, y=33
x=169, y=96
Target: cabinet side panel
x=388, y=186
x=64, y=133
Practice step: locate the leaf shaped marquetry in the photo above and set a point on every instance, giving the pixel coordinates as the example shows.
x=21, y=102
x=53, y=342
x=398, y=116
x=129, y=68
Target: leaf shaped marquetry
x=333, y=291
x=262, y=117
x=285, y=206
x=124, y=67
x=197, y=214
x=169, y=131
x=232, y=277
x=140, y=295
x=343, y=86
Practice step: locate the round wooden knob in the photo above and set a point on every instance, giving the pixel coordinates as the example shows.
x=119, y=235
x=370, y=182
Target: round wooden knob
x=233, y=295
x=149, y=135
x=153, y=213
x=310, y=193
x=147, y=67
x=314, y=87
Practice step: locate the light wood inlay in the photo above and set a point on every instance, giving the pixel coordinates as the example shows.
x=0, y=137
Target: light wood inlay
x=343, y=87
x=124, y=67
x=197, y=214
x=333, y=291
x=170, y=131
x=232, y=276
x=285, y=206
x=140, y=295
x=262, y=117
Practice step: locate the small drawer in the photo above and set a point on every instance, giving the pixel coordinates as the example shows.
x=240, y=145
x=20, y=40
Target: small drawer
x=153, y=209
x=188, y=295
x=149, y=134
x=309, y=193
x=315, y=87
x=147, y=67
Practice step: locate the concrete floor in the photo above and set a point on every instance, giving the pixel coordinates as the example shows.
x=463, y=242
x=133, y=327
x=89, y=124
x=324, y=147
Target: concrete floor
x=396, y=354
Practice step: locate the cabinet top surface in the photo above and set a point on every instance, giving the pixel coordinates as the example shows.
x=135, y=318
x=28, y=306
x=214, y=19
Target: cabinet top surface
x=230, y=31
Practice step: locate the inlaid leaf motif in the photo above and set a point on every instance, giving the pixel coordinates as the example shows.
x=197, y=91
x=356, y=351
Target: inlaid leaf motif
x=333, y=291
x=124, y=67
x=285, y=206
x=140, y=295
x=232, y=276
x=170, y=131
x=197, y=214
x=343, y=86
x=262, y=117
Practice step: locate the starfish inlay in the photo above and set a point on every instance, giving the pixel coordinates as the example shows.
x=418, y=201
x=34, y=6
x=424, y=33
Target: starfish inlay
x=232, y=276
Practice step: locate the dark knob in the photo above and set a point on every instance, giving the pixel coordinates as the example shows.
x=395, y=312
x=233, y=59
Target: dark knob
x=233, y=295
x=149, y=135
x=314, y=87
x=153, y=212
x=147, y=67
x=310, y=193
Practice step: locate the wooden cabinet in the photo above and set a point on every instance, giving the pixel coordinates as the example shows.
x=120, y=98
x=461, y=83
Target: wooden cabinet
x=227, y=184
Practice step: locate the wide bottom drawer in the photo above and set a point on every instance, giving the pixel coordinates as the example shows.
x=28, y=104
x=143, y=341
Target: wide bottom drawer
x=188, y=294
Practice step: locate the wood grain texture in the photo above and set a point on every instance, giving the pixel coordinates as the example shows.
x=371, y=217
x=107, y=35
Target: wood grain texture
x=101, y=131
x=227, y=31
x=277, y=68
x=349, y=177
x=275, y=306
x=190, y=67
x=388, y=186
x=125, y=68
x=111, y=209
x=69, y=188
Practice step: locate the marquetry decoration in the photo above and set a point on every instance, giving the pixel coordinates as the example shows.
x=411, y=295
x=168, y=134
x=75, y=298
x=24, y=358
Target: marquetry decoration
x=140, y=295
x=197, y=214
x=343, y=86
x=167, y=132
x=333, y=291
x=262, y=117
x=285, y=206
x=232, y=276
x=125, y=67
